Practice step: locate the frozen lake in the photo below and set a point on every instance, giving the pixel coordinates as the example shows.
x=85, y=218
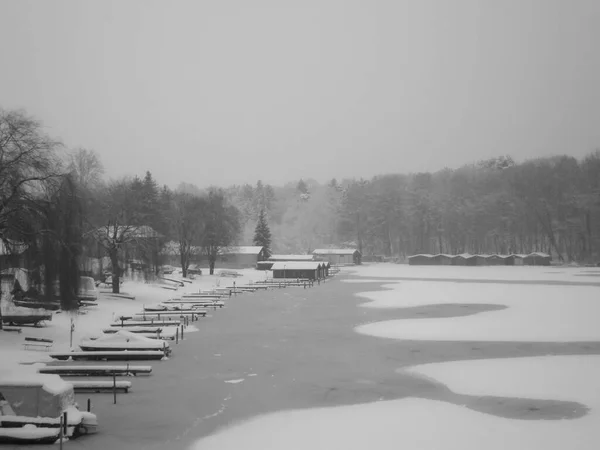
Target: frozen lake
x=534, y=304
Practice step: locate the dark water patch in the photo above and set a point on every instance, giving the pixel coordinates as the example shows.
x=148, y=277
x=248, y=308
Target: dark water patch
x=523, y=408
x=302, y=346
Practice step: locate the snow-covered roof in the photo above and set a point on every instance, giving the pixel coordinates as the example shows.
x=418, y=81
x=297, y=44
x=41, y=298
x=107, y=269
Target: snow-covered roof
x=26, y=377
x=296, y=265
x=424, y=255
x=539, y=254
x=335, y=251
x=172, y=248
x=291, y=258
x=243, y=250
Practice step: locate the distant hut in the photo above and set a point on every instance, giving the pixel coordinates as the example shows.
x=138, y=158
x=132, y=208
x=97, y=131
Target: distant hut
x=421, y=260
x=264, y=265
x=481, y=260
x=464, y=259
x=313, y=270
x=242, y=257
x=537, y=259
x=340, y=256
x=495, y=260
x=325, y=266
x=517, y=259
x=443, y=259
x=291, y=258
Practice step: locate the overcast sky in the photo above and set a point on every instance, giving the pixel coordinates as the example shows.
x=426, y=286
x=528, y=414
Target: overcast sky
x=231, y=91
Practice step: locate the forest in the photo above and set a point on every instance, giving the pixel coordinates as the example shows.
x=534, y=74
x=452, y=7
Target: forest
x=60, y=213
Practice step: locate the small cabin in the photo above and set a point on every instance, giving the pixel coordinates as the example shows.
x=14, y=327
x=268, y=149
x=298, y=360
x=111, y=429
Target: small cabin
x=443, y=259
x=537, y=259
x=312, y=270
x=464, y=259
x=421, y=260
x=338, y=256
x=241, y=257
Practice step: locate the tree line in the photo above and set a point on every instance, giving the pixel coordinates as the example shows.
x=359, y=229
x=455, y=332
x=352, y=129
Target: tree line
x=549, y=205
x=59, y=217
x=60, y=214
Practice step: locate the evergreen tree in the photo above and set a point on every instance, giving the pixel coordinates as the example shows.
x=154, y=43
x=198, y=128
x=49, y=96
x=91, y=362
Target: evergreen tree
x=262, y=234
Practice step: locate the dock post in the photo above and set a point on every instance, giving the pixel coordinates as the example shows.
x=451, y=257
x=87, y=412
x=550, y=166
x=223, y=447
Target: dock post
x=60, y=432
x=114, y=387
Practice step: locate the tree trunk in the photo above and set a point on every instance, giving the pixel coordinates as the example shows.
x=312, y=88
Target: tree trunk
x=211, y=266
x=184, y=264
x=116, y=279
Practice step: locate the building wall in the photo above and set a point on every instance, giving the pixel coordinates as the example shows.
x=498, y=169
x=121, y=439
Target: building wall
x=310, y=274
x=237, y=261
x=340, y=259
x=536, y=261
x=421, y=261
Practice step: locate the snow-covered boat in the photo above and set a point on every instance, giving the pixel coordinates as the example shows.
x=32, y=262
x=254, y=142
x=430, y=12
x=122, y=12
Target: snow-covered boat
x=32, y=405
x=25, y=319
x=37, y=304
x=123, y=340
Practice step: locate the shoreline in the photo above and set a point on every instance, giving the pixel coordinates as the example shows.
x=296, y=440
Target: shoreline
x=294, y=349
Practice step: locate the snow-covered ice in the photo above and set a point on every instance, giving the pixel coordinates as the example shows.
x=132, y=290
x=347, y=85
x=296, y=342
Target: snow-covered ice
x=532, y=312
x=428, y=424
x=379, y=272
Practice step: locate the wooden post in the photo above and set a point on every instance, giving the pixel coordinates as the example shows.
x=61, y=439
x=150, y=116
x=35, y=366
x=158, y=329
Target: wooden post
x=122, y=321
x=60, y=432
x=182, y=332
x=177, y=336
x=66, y=424
x=89, y=404
x=114, y=387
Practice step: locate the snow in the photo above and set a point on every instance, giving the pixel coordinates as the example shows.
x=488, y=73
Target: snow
x=536, y=313
x=239, y=380
x=72, y=367
x=571, y=378
x=91, y=324
x=296, y=265
x=124, y=338
x=100, y=384
x=28, y=376
x=429, y=424
x=509, y=273
x=29, y=431
x=533, y=313
x=409, y=423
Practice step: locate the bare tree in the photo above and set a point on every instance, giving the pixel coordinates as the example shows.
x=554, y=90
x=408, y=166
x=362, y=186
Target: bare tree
x=188, y=223
x=86, y=168
x=28, y=163
x=123, y=225
x=222, y=226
